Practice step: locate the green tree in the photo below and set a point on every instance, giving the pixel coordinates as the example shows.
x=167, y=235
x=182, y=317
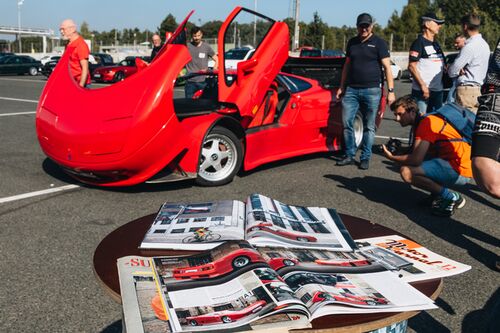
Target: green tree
x=85, y=31
x=169, y=24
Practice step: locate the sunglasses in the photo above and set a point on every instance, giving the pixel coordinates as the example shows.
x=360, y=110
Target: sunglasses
x=364, y=26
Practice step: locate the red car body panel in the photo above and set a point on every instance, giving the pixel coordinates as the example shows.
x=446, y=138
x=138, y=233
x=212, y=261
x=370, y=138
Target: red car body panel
x=268, y=227
x=340, y=262
x=277, y=263
x=107, y=73
x=216, y=268
x=217, y=317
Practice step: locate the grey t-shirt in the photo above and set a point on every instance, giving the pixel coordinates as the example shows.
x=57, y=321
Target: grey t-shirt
x=200, y=56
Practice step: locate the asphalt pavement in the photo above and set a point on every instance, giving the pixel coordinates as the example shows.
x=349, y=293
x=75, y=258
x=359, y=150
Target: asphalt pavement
x=49, y=230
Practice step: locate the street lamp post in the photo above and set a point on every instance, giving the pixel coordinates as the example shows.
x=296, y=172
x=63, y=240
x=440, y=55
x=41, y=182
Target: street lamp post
x=19, y=3
x=255, y=25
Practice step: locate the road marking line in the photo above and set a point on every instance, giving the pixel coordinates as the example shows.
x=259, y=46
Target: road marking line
x=16, y=113
x=390, y=137
x=22, y=80
x=37, y=193
x=19, y=100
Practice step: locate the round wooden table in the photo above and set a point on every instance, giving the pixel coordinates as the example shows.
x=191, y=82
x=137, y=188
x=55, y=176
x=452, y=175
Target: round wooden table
x=125, y=241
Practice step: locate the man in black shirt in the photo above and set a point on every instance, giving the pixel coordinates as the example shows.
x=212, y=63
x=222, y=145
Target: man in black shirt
x=361, y=85
x=156, y=45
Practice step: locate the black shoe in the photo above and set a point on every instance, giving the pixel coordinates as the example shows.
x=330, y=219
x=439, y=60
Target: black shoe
x=346, y=161
x=446, y=207
x=364, y=164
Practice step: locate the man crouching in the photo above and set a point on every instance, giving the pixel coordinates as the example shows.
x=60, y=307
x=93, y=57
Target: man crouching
x=439, y=158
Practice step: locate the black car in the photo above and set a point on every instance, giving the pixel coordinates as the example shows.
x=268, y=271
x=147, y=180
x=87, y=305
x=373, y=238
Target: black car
x=101, y=59
x=19, y=64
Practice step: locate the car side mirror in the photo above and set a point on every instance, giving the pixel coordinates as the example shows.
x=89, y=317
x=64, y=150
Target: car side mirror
x=245, y=67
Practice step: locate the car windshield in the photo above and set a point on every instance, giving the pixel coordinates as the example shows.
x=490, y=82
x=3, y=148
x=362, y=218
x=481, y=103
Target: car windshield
x=236, y=54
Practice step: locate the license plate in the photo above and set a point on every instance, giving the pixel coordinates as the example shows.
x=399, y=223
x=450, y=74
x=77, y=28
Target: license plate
x=97, y=75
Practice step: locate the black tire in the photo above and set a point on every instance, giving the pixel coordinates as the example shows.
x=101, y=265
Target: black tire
x=33, y=71
x=193, y=323
x=240, y=262
x=220, y=158
x=226, y=319
x=358, y=127
x=119, y=77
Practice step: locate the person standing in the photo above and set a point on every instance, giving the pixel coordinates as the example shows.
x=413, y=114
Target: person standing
x=459, y=43
x=426, y=65
x=471, y=64
x=200, y=52
x=439, y=157
x=361, y=87
x=156, y=46
x=79, y=53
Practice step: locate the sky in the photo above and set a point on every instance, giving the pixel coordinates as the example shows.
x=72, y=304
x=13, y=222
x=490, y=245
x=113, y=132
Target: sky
x=104, y=15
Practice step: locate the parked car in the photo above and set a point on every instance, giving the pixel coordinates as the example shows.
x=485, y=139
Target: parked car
x=138, y=130
x=47, y=58
x=396, y=71
x=318, y=53
x=16, y=64
x=117, y=72
x=99, y=60
x=269, y=227
x=226, y=316
x=236, y=55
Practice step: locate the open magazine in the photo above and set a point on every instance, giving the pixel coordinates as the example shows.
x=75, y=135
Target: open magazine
x=261, y=221
x=236, y=284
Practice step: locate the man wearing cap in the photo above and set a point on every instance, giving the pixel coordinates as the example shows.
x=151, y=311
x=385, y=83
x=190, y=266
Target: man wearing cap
x=426, y=65
x=471, y=64
x=361, y=85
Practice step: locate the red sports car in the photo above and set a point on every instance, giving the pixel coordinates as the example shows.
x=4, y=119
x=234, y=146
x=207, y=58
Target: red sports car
x=225, y=264
x=268, y=227
x=345, y=263
x=115, y=73
x=348, y=298
x=226, y=316
x=136, y=130
x=277, y=263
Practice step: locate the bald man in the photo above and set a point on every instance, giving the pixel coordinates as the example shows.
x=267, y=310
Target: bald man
x=79, y=53
x=156, y=46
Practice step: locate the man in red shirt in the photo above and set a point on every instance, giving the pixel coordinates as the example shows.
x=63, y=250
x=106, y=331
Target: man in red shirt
x=439, y=158
x=79, y=52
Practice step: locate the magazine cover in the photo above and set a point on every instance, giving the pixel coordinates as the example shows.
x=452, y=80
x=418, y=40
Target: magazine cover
x=143, y=311
x=425, y=264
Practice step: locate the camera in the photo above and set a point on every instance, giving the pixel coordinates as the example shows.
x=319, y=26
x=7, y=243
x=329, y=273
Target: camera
x=393, y=145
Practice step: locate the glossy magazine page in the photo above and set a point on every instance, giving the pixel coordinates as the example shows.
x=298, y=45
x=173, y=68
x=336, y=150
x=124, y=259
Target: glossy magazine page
x=425, y=264
x=224, y=288
x=271, y=222
x=143, y=311
x=195, y=226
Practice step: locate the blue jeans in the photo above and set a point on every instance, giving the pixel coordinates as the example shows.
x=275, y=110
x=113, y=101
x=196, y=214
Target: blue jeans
x=434, y=102
x=442, y=173
x=367, y=101
x=191, y=87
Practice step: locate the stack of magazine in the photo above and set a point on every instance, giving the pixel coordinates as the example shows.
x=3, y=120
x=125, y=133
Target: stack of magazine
x=265, y=264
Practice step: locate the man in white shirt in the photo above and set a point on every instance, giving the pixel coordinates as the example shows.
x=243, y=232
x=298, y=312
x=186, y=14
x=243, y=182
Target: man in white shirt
x=471, y=65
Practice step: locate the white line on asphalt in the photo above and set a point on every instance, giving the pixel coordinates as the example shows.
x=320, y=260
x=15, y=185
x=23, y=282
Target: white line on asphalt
x=390, y=137
x=23, y=80
x=37, y=193
x=19, y=100
x=16, y=113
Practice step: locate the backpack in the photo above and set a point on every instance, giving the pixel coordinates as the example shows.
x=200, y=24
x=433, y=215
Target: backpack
x=459, y=117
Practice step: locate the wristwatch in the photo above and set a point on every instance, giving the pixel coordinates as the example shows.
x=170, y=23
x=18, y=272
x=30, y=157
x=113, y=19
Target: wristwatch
x=390, y=90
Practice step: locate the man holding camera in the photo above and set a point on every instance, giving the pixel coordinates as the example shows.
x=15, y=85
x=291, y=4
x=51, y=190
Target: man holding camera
x=449, y=163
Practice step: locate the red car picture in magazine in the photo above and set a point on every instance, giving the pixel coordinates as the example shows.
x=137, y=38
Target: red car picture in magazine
x=226, y=316
x=268, y=227
x=138, y=130
x=345, y=263
x=277, y=263
x=223, y=262
x=346, y=297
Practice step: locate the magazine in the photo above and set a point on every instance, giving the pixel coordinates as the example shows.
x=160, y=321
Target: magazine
x=421, y=264
x=261, y=221
x=236, y=284
x=144, y=311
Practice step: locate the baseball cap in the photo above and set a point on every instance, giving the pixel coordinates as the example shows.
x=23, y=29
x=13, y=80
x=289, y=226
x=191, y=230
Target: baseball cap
x=432, y=17
x=364, y=18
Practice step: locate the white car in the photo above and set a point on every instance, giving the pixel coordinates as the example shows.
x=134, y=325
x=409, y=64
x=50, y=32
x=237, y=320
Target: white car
x=47, y=58
x=396, y=71
x=234, y=56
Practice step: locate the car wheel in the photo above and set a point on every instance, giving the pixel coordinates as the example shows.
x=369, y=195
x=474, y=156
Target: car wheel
x=33, y=71
x=240, y=261
x=302, y=239
x=288, y=262
x=358, y=128
x=220, y=159
x=226, y=319
x=193, y=323
x=371, y=303
x=119, y=77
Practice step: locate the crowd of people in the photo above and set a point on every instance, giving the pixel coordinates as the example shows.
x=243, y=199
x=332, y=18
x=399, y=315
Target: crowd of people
x=438, y=157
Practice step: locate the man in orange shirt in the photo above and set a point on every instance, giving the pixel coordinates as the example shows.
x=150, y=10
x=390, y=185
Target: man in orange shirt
x=438, y=159
x=79, y=52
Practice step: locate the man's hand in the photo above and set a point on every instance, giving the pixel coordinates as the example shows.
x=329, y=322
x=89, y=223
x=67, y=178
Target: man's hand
x=386, y=152
x=339, y=94
x=425, y=92
x=391, y=97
